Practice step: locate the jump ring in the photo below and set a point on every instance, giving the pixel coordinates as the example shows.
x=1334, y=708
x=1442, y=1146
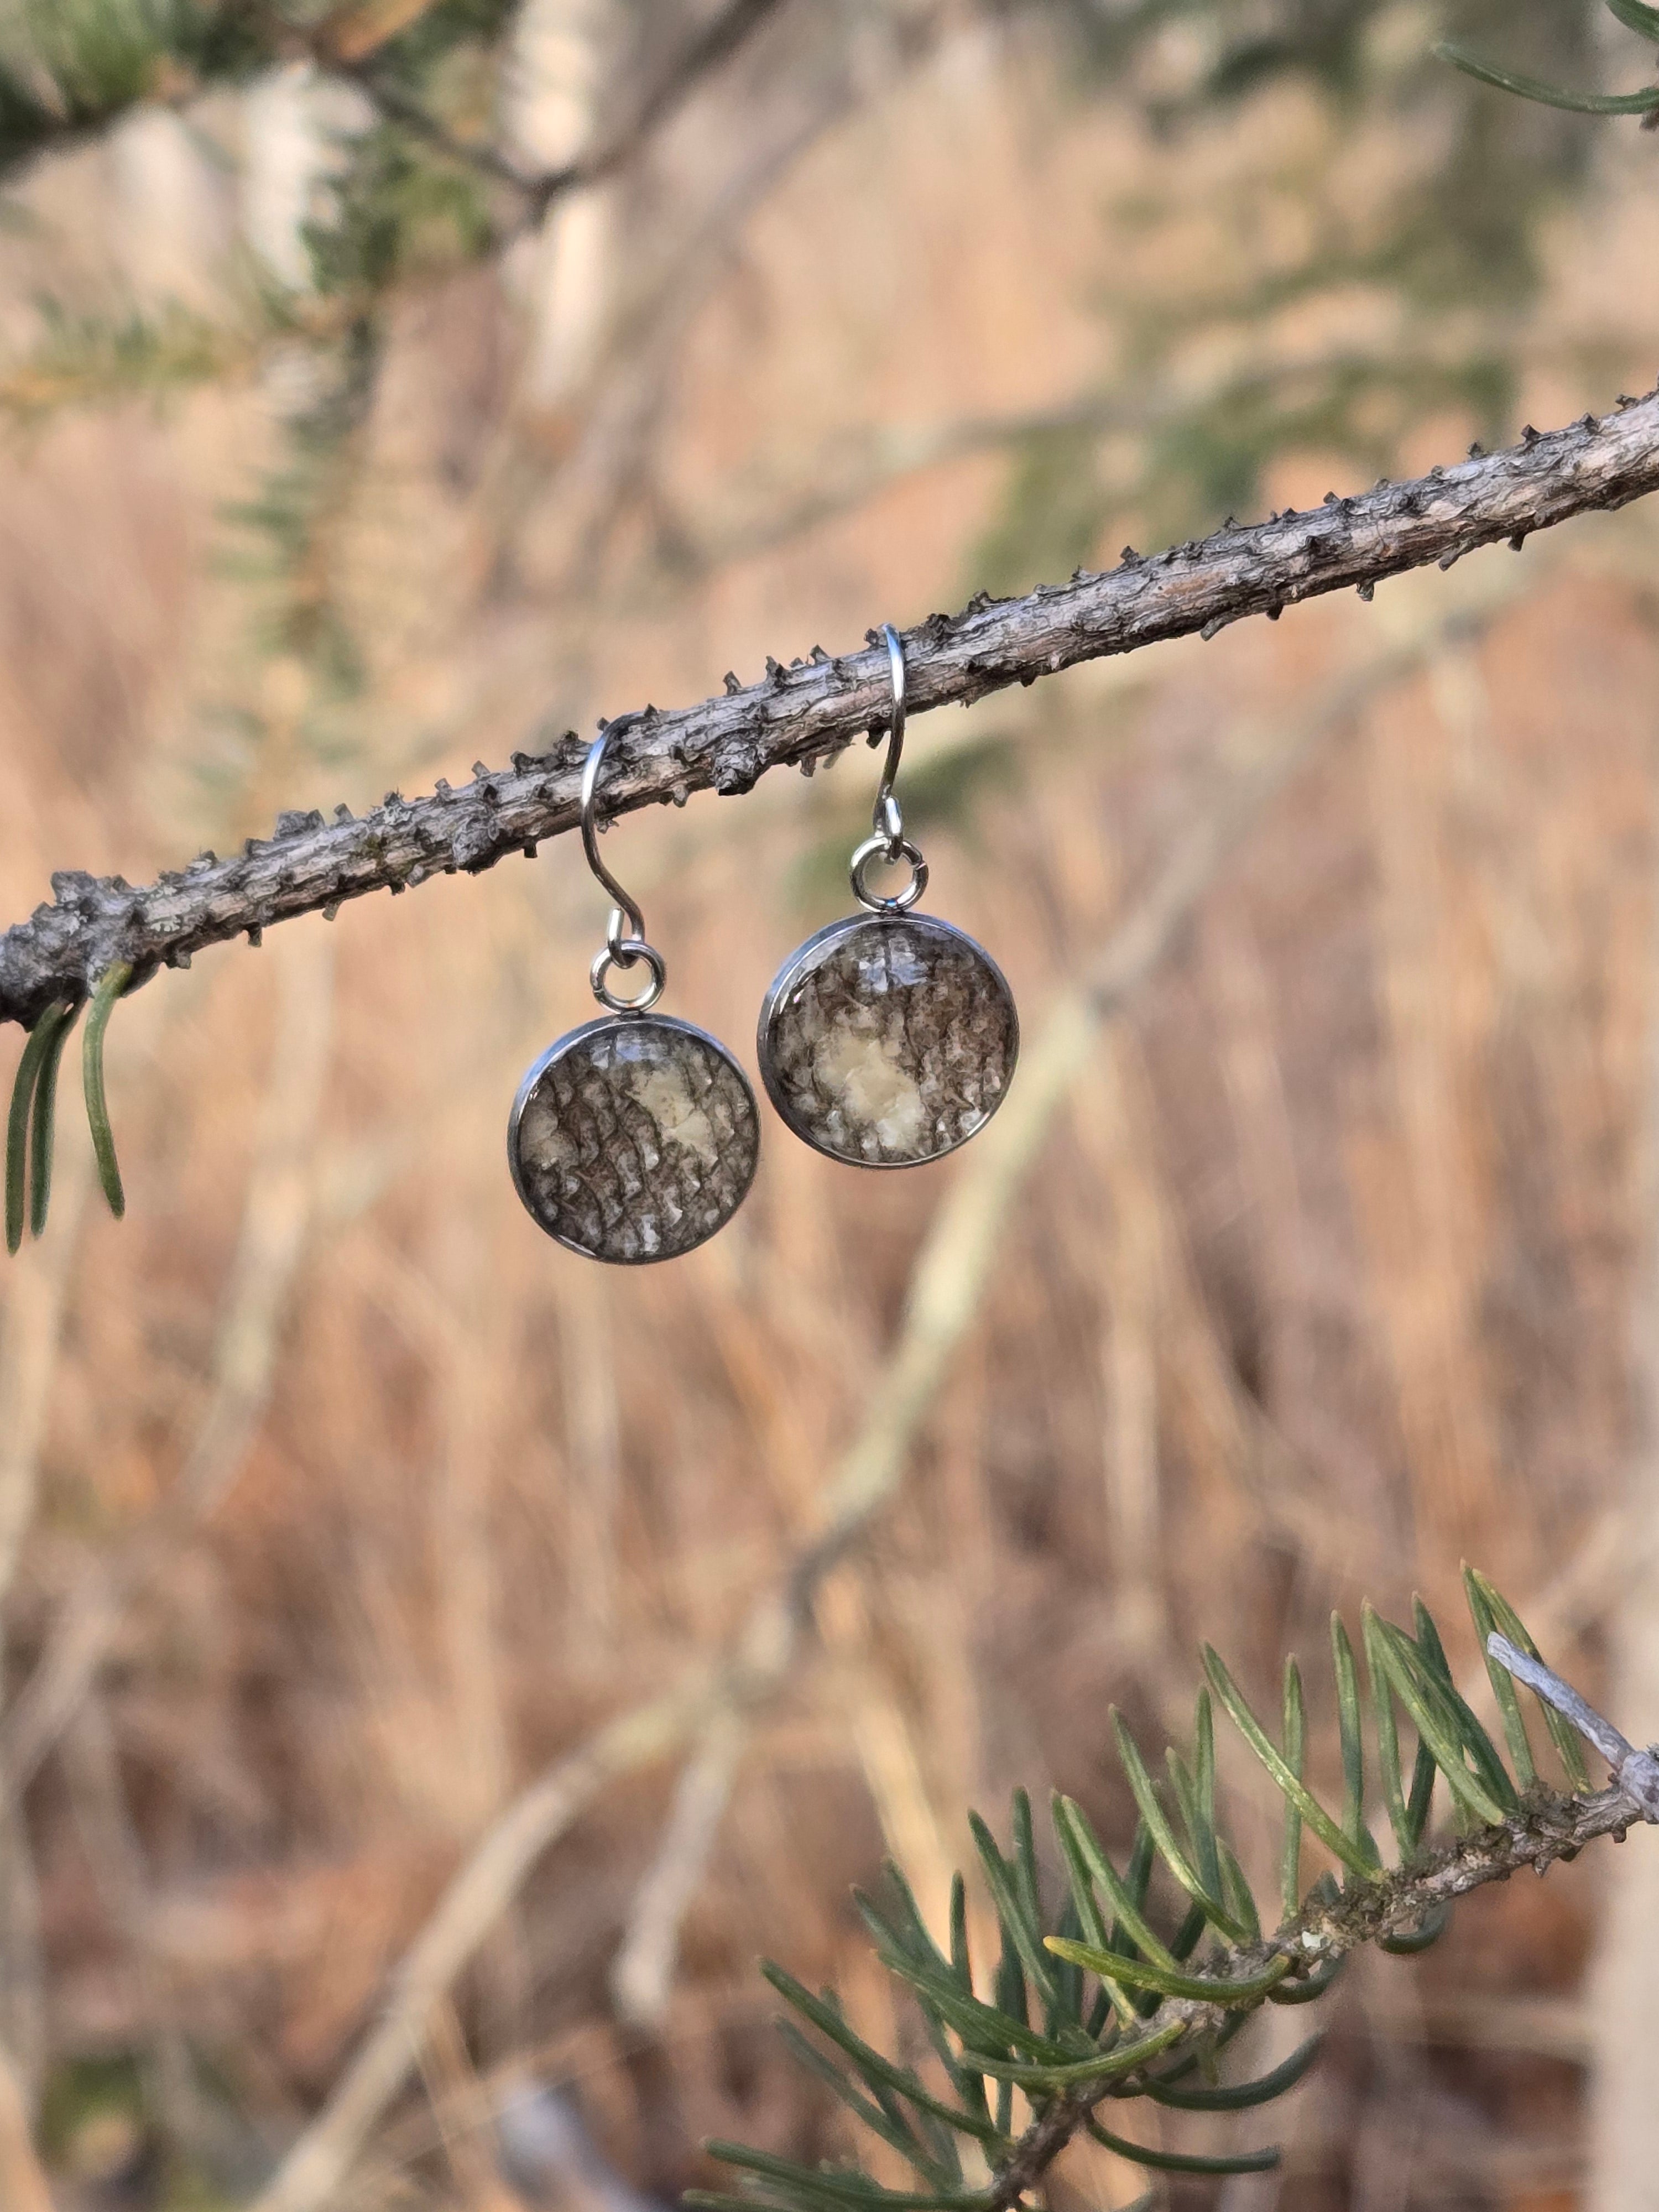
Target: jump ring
x=635, y=950
x=874, y=848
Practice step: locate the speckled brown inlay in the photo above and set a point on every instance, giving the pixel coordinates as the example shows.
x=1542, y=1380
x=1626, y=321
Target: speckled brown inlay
x=636, y=1140
x=893, y=1040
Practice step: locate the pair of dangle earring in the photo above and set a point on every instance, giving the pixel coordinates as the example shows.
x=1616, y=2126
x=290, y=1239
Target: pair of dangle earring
x=887, y=1039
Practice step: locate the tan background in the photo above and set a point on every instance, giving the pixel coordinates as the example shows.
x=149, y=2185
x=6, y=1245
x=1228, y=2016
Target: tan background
x=1325, y=1276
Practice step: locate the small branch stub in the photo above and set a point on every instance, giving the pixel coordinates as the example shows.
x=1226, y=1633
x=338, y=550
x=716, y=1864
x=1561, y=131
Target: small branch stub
x=1634, y=1771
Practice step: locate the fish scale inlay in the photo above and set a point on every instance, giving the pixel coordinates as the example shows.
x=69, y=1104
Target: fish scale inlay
x=635, y=1139
x=889, y=1041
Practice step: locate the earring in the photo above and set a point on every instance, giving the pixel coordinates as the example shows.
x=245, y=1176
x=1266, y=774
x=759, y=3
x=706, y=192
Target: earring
x=890, y=1037
x=635, y=1136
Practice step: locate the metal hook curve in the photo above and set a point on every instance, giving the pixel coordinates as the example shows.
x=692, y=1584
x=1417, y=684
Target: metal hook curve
x=623, y=907
x=886, y=820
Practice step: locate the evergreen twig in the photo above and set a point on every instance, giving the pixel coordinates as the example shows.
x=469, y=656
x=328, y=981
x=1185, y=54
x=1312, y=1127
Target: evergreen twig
x=1086, y=2057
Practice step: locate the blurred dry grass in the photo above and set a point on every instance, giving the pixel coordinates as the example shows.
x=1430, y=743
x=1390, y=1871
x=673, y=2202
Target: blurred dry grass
x=377, y=1502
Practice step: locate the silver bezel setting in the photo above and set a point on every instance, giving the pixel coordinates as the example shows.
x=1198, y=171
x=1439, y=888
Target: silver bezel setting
x=556, y=1052
x=802, y=957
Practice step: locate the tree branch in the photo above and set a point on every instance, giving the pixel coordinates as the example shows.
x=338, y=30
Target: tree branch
x=811, y=711
x=642, y=1971
x=706, y=51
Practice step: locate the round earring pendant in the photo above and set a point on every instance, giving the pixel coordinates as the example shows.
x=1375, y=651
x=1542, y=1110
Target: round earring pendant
x=888, y=1039
x=635, y=1137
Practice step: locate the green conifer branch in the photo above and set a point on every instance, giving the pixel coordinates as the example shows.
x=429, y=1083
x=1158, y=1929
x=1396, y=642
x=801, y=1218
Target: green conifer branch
x=1128, y=2015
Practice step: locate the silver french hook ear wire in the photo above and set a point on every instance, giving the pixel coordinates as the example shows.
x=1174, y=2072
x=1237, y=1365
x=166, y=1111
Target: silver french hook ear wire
x=625, y=947
x=888, y=841
x=886, y=820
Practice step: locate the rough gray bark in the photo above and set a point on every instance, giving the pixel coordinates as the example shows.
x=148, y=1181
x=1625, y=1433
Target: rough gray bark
x=811, y=710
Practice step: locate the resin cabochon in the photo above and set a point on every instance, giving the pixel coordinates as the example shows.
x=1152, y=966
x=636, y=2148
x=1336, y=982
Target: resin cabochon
x=634, y=1138
x=888, y=1039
